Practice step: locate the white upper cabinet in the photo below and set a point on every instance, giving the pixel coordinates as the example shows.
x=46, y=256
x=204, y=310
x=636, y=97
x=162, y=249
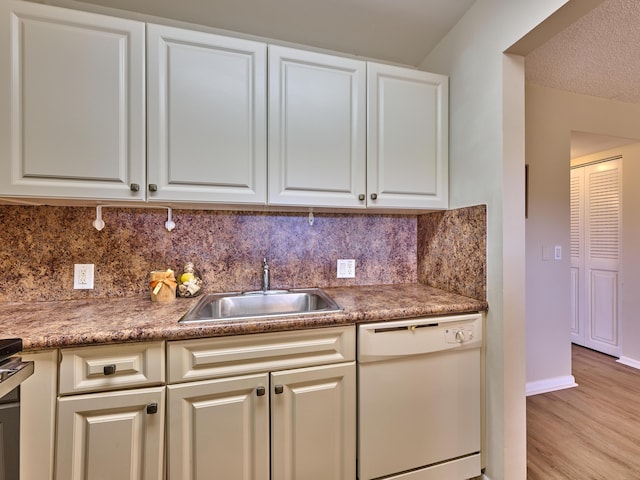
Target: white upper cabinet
x=96, y=108
x=407, y=138
x=317, y=133
x=206, y=117
x=317, y=119
x=72, y=104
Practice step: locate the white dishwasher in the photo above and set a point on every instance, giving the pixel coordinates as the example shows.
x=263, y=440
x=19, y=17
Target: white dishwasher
x=419, y=398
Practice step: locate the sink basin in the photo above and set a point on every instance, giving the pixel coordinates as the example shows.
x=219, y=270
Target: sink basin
x=252, y=305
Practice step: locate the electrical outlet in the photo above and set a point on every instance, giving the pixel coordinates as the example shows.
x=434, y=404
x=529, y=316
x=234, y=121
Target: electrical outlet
x=83, y=276
x=346, y=268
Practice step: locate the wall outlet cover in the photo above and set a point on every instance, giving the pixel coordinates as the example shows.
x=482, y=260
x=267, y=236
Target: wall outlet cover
x=346, y=268
x=83, y=276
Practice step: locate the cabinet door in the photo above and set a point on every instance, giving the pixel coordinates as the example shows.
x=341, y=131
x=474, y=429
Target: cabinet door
x=219, y=429
x=207, y=117
x=71, y=102
x=407, y=138
x=313, y=423
x=115, y=435
x=316, y=129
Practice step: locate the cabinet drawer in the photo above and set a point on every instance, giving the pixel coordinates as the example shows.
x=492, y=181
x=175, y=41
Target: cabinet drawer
x=110, y=367
x=228, y=356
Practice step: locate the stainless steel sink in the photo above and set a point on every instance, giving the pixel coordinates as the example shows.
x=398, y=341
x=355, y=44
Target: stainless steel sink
x=260, y=304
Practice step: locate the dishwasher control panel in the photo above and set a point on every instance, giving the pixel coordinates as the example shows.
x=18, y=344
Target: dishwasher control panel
x=418, y=336
x=459, y=335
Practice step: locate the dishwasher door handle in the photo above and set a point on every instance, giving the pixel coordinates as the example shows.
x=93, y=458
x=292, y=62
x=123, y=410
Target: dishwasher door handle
x=411, y=328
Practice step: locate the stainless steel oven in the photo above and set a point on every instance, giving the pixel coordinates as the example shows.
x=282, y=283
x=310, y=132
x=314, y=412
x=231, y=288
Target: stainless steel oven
x=13, y=371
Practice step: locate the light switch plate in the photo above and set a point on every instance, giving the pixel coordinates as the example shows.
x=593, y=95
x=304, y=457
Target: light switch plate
x=557, y=252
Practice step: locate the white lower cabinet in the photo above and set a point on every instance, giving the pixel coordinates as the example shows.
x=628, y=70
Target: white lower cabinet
x=278, y=423
x=114, y=435
x=312, y=423
x=38, y=417
x=219, y=429
x=269, y=406
x=115, y=429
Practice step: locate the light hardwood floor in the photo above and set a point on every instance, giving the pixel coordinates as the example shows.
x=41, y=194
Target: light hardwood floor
x=590, y=432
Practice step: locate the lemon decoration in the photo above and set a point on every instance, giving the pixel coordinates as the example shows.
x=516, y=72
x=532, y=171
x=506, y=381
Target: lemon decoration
x=187, y=277
x=190, y=281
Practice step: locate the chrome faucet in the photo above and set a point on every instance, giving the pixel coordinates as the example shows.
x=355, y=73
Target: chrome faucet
x=265, y=275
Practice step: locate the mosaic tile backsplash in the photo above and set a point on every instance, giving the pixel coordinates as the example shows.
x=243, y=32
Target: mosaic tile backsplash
x=39, y=246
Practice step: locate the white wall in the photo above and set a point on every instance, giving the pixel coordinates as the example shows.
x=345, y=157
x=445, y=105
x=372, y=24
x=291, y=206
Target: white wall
x=551, y=115
x=547, y=225
x=487, y=166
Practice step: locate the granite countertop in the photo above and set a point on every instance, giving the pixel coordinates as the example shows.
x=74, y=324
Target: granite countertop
x=45, y=325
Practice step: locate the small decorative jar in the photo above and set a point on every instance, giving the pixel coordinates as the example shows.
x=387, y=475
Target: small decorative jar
x=189, y=281
x=163, y=285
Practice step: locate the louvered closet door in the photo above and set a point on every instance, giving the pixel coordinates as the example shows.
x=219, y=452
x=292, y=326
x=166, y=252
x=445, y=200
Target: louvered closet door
x=600, y=295
x=577, y=257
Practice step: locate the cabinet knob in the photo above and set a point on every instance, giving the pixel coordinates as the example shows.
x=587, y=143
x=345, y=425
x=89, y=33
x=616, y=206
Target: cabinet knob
x=109, y=369
x=134, y=187
x=153, y=187
x=279, y=389
x=152, y=408
x=361, y=197
x=260, y=391
x=374, y=196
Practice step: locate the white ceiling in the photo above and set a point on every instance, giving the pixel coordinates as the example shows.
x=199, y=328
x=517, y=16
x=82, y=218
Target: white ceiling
x=397, y=31
x=598, y=56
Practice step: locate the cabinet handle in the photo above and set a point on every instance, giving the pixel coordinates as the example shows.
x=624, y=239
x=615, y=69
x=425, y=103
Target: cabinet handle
x=374, y=196
x=152, y=408
x=279, y=389
x=109, y=369
x=361, y=197
x=260, y=391
x=134, y=187
x=153, y=187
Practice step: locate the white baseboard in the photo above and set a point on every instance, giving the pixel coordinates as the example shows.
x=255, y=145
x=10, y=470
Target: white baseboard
x=551, y=385
x=629, y=362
